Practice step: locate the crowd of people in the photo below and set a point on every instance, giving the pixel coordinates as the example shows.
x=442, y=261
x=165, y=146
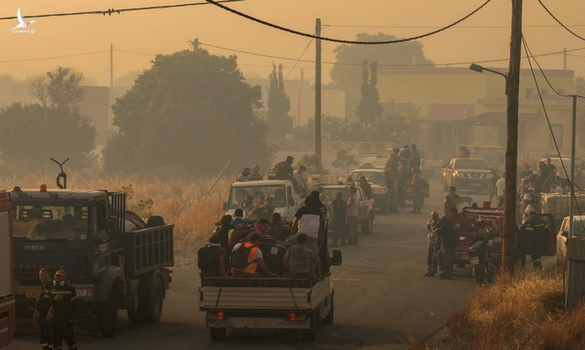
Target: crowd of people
x=403, y=179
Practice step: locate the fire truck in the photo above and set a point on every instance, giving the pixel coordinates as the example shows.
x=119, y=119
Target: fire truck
x=466, y=233
x=7, y=301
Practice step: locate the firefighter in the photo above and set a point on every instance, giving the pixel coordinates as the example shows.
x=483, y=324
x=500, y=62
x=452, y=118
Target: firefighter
x=434, y=245
x=447, y=235
x=42, y=309
x=536, y=232
x=64, y=311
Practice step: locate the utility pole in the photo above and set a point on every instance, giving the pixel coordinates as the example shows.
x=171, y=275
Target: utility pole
x=565, y=58
x=512, y=88
x=573, y=146
x=318, y=89
x=300, y=96
x=111, y=65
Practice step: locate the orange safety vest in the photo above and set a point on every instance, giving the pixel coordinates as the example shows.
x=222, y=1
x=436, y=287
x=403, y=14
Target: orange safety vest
x=252, y=263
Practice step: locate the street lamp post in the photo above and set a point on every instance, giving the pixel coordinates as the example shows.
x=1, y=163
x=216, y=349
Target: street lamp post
x=477, y=68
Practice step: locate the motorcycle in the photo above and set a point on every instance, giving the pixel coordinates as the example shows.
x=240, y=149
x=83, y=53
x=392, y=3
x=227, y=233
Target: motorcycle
x=483, y=264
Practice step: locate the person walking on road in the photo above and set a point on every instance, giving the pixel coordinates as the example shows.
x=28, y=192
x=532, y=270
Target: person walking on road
x=451, y=201
x=434, y=245
x=339, y=214
x=353, y=207
x=500, y=187
x=447, y=235
x=42, y=309
x=65, y=312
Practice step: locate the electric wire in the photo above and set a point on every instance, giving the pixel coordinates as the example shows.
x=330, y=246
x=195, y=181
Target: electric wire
x=384, y=65
x=458, y=27
x=113, y=11
x=54, y=57
x=301, y=56
x=292, y=31
x=574, y=197
x=561, y=23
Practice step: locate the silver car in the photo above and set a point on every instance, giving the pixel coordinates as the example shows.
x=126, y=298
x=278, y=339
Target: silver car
x=579, y=227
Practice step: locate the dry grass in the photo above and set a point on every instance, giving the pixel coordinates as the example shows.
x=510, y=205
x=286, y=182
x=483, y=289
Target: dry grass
x=526, y=312
x=182, y=202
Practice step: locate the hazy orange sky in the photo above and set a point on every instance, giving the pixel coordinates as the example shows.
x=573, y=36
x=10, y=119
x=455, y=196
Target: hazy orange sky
x=169, y=30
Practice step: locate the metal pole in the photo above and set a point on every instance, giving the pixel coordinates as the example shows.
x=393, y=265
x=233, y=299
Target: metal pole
x=318, y=89
x=111, y=65
x=513, y=88
x=573, y=137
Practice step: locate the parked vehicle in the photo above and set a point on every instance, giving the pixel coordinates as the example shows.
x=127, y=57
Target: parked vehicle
x=466, y=174
x=7, y=300
x=378, y=161
x=112, y=258
x=483, y=264
x=562, y=236
x=285, y=201
x=366, y=211
x=268, y=303
x=376, y=180
x=467, y=233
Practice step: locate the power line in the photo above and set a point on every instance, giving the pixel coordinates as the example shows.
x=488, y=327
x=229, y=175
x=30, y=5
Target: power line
x=305, y=50
x=292, y=31
x=54, y=57
x=384, y=65
x=458, y=27
x=528, y=54
x=114, y=11
x=559, y=22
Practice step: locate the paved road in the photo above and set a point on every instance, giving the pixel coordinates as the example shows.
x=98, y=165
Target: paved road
x=380, y=295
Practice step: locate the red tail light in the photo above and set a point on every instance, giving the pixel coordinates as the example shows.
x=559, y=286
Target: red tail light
x=217, y=315
x=221, y=316
x=295, y=317
x=487, y=204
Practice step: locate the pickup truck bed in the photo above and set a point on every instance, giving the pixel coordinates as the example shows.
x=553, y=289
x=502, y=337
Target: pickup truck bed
x=266, y=303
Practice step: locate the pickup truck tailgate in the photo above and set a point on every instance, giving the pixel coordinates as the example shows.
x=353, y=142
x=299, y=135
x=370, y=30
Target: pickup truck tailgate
x=262, y=298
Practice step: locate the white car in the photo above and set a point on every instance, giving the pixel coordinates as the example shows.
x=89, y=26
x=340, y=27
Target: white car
x=378, y=161
x=579, y=227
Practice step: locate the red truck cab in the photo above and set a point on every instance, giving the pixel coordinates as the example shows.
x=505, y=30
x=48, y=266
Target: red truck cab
x=7, y=301
x=466, y=232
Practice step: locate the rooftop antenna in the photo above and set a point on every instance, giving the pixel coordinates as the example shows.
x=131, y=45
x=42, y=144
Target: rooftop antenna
x=61, y=175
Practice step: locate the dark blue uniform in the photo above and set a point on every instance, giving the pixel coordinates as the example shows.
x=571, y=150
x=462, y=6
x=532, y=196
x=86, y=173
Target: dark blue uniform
x=65, y=310
x=536, y=233
x=42, y=306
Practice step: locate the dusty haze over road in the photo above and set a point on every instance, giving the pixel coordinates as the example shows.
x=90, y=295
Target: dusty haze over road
x=484, y=36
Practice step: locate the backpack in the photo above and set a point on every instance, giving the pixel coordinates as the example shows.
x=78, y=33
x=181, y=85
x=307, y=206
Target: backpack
x=208, y=258
x=424, y=185
x=239, y=257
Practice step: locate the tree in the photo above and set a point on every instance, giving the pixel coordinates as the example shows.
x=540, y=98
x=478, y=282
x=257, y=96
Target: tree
x=190, y=112
x=63, y=88
x=347, y=76
x=38, y=89
x=344, y=160
x=313, y=164
x=278, y=105
x=31, y=134
x=369, y=108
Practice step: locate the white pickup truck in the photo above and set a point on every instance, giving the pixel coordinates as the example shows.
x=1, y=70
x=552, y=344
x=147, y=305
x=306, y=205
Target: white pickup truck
x=267, y=303
x=285, y=201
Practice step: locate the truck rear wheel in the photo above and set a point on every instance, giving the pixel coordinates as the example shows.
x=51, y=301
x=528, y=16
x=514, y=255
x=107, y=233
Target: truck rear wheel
x=217, y=334
x=108, y=315
x=328, y=321
x=311, y=333
x=150, y=300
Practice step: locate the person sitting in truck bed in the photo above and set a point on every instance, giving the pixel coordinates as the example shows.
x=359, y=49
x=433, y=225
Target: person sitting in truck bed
x=260, y=210
x=277, y=229
x=256, y=266
x=308, y=221
x=299, y=260
x=239, y=220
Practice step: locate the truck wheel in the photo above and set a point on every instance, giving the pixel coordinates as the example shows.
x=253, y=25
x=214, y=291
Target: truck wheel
x=217, y=334
x=311, y=333
x=150, y=300
x=368, y=226
x=328, y=321
x=108, y=315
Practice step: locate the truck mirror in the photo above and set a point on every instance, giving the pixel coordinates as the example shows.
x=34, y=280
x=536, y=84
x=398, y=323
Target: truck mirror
x=336, y=259
x=291, y=202
x=224, y=206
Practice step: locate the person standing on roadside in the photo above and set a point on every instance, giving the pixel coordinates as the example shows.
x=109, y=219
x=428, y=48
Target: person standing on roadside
x=64, y=311
x=492, y=192
x=43, y=308
x=339, y=214
x=500, y=187
x=447, y=235
x=434, y=245
x=353, y=207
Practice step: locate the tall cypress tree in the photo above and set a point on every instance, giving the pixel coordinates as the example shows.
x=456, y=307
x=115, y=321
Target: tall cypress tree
x=369, y=108
x=278, y=104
